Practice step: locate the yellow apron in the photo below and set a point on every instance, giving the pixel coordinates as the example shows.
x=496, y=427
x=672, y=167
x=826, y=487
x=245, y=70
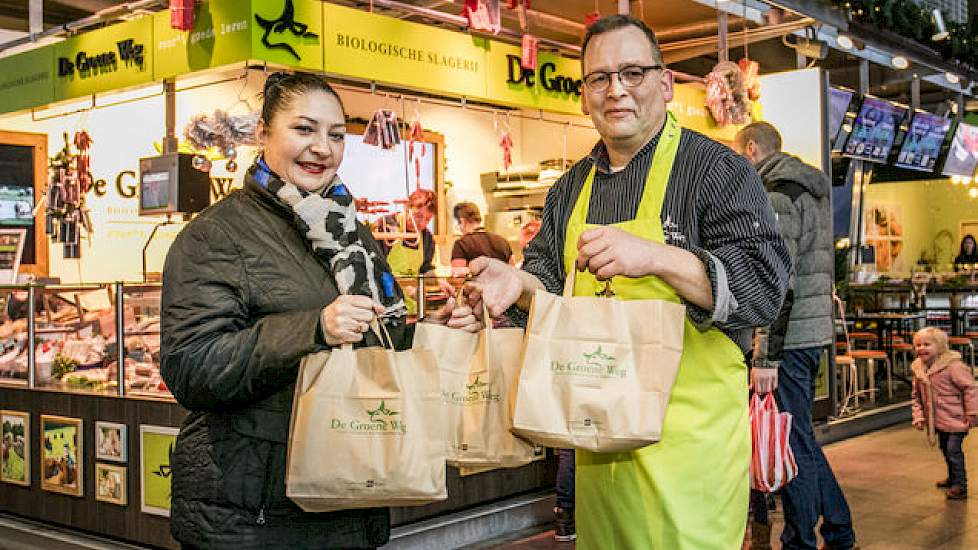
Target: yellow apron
x=690, y=490
x=406, y=262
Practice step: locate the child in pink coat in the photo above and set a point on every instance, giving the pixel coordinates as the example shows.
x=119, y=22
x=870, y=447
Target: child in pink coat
x=945, y=400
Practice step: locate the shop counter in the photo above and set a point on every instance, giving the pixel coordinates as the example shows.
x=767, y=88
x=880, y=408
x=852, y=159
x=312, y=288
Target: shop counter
x=87, y=442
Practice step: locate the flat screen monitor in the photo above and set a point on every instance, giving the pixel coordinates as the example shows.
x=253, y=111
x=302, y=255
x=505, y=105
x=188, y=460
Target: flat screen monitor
x=923, y=141
x=16, y=185
x=839, y=101
x=874, y=130
x=962, y=156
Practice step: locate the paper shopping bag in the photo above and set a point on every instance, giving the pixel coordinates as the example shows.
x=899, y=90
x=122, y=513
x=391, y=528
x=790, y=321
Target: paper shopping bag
x=597, y=372
x=477, y=372
x=772, y=464
x=367, y=431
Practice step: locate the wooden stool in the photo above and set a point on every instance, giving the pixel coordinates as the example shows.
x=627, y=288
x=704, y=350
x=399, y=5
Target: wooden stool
x=846, y=366
x=904, y=352
x=870, y=356
x=868, y=339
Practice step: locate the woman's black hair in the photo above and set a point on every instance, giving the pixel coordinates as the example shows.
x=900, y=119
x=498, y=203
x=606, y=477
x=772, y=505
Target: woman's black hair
x=974, y=246
x=281, y=88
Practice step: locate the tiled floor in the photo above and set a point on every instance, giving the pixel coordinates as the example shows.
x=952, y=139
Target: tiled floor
x=888, y=477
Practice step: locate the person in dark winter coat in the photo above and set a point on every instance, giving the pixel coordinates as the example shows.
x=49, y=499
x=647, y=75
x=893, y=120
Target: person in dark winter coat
x=800, y=195
x=273, y=272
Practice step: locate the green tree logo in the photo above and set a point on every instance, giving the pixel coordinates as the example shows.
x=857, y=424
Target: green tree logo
x=598, y=355
x=381, y=410
x=475, y=385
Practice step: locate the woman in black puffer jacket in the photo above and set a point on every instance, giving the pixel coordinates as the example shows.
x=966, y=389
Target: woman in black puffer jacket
x=271, y=273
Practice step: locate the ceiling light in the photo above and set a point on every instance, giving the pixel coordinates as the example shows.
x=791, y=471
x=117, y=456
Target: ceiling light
x=952, y=78
x=899, y=62
x=941, y=33
x=844, y=41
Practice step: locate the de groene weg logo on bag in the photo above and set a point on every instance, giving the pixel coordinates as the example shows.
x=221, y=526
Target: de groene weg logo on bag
x=380, y=420
x=478, y=391
x=596, y=364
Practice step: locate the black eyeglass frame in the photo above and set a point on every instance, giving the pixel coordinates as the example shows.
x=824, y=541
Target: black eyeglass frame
x=646, y=69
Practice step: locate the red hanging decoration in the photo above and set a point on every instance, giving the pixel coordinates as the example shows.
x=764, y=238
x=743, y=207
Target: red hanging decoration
x=507, y=144
x=417, y=136
x=528, y=59
x=83, y=142
x=478, y=15
x=182, y=14
x=591, y=18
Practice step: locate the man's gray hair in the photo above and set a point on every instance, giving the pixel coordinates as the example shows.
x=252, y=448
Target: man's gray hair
x=764, y=134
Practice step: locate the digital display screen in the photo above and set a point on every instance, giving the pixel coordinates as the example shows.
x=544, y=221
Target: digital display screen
x=16, y=185
x=874, y=130
x=923, y=142
x=839, y=101
x=154, y=190
x=962, y=157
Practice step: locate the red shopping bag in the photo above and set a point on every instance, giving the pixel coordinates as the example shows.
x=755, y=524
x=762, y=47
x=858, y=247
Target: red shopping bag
x=772, y=463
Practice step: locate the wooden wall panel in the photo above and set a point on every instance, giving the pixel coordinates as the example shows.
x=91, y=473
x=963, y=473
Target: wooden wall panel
x=131, y=524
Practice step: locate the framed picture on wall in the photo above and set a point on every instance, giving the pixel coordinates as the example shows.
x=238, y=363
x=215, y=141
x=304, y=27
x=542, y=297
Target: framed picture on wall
x=110, y=441
x=155, y=450
x=15, y=464
x=61, y=455
x=110, y=483
x=884, y=232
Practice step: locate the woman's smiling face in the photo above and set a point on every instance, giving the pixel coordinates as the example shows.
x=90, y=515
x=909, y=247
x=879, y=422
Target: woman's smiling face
x=303, y=143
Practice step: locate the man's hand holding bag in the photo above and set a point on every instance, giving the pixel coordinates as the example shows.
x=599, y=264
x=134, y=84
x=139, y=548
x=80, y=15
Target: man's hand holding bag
x=478, y=373
x=597, y=372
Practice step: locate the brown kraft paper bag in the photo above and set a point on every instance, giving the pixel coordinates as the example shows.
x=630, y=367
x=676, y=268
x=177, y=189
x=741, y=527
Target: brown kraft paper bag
x=368, y=430
x=597, y=372
x=477, y=373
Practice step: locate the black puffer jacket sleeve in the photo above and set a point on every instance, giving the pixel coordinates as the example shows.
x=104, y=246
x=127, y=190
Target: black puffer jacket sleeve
x=215, y=354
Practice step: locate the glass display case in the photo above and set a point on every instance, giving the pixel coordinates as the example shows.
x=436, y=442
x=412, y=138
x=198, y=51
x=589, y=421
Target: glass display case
x=70, y=342
x=72, y=329
x=14, y=337
x=139, y=307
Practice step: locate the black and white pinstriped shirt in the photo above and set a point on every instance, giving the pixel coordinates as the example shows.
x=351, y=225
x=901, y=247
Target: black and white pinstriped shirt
x=715, y=207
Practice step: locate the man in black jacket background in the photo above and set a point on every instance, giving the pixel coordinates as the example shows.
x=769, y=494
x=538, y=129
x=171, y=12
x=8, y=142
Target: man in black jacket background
x=800, y=195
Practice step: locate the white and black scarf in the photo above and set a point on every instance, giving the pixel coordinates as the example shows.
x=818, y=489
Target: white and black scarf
x=329, y=221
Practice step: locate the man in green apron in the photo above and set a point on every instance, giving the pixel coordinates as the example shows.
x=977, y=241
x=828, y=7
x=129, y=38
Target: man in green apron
x=410, y=258
x=662, y=213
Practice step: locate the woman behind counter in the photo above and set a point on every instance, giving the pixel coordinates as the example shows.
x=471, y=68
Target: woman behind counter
x=968, y=254
x=271, y=273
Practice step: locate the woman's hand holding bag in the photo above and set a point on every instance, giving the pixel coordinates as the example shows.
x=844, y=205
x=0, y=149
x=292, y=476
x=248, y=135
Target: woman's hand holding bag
x=348, y=318
x=368, y=429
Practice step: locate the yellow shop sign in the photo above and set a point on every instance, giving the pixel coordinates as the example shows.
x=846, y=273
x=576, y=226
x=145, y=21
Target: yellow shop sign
x=112, y=58
x=555, y=85
x=373, y=47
